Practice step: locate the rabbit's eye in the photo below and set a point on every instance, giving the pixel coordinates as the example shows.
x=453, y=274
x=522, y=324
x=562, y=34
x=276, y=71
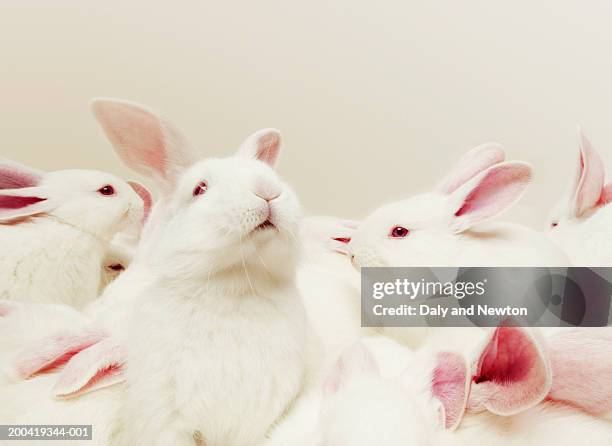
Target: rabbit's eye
x=399, y=232
x=554, y=224
x=200, y=188
x=107, y=190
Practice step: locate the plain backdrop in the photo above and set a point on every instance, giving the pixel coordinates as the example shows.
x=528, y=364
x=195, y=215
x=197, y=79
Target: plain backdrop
x=375, y=100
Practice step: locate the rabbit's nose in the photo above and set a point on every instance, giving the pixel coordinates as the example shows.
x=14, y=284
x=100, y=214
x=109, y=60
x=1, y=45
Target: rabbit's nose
x=268, y=197
x=266, y=191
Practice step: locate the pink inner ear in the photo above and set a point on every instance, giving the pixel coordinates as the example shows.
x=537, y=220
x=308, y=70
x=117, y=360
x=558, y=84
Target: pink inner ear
x=450, y=385
x=145, y=195
x=16, y=202
x=268, y=149
x=590, y=186
x=12, y=177
x=344, y=240
x=48, y=354
x=99, y=366
x=492, y=195
x=606, y=195
x=263, y=145
x=512, y=372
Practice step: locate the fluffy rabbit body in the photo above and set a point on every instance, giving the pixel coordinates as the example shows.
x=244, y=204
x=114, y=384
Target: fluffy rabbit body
x=56, y=229
x=214, y=329
x=382, y=393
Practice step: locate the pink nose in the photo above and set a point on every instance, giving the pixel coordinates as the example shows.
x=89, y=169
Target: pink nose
x=266, y=190
x=268, y=197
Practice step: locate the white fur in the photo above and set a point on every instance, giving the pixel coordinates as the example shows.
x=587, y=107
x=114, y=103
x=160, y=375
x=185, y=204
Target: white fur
x=27, y=322
x=31, y=402
x=389, y=408
x=216, y=346
x=434, y=242
x=208, y=311
x=59, y=256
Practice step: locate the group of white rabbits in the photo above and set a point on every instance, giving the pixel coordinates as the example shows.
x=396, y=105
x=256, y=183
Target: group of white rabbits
x=219, y=316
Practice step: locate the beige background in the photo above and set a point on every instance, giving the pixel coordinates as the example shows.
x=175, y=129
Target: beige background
x=375, y=99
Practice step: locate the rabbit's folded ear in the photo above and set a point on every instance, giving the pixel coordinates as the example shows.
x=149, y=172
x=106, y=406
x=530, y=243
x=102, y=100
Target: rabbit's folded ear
x=144, y=141
x=146, y=197
x=17, y=176
x=512, y=373
x=589, y=183
x=96, y=367
x=471, y=164
x=354, y=361
x=263, y=145
x=489, y=193
x=49, y=353
x=450, y=385
x=21, y=203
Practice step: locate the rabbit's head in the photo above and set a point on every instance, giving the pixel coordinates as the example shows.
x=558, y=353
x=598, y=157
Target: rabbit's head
x=421, y=230
x=95, y=202
x=587, y=192
x=214, y=215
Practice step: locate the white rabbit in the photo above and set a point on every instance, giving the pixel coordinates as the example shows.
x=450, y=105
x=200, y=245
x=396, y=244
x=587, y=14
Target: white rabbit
x=446, y=227
x=581, y=221
x=443, y=228
x=55, y=230
x=215, y=331
x=366, y=401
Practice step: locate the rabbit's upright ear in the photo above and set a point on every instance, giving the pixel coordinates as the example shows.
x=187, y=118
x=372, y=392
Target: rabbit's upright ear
x=354, y=361
x=145, y=142
x=263, y=145
x=489, y=193
x=589, y=185
x=146, y=197
x=511, y=373
x=471, y=164
x=450, y=385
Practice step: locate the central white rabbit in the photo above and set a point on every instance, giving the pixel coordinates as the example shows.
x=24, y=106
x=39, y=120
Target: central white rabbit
x=213, y=325
x=56, y=230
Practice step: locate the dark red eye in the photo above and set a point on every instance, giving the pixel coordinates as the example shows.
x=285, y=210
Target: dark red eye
x=200, y=188
x=107, y=190
x=399, y=232
x=554, y=224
